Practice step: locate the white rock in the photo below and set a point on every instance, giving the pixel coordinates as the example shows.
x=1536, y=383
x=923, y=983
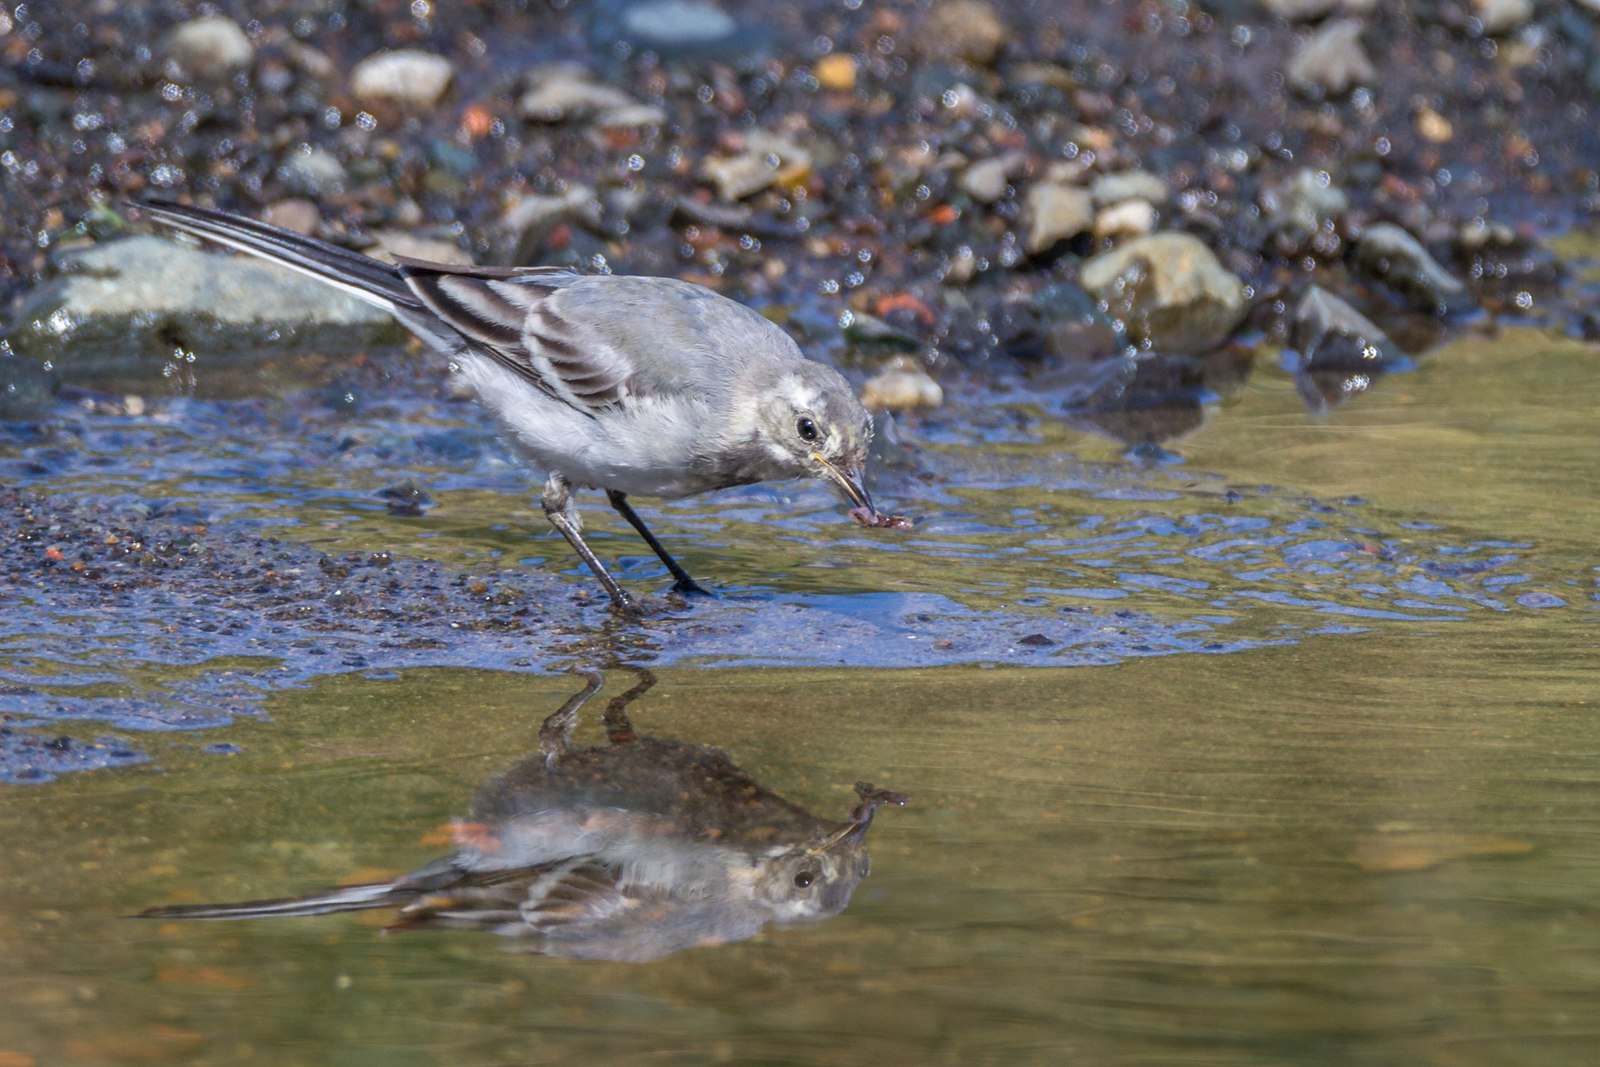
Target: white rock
x=208, y=49
x=1056, y=212
x=1332, y=61
x=903, y=385
x=1130, y=218
x=1170, y=290
x=1502, y=16
x=408, y=79
x=1111, y=189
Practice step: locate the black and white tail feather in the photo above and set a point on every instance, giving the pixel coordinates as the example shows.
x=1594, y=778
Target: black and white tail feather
x=497, y=312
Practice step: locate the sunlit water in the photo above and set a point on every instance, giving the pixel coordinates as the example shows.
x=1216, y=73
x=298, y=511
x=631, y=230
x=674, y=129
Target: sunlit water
x=1362, y=826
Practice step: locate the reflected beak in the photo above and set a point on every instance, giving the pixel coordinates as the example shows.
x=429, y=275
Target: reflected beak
x=872, y=798
x=848, y=481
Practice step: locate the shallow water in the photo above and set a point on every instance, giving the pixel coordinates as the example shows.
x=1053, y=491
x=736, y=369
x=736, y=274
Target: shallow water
x=1362, y=827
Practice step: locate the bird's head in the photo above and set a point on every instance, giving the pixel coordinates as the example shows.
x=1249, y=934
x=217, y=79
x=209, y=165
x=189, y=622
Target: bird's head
x=812, y=425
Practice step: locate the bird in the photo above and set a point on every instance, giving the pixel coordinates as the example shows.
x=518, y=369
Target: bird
x=630, y=850
x=630, y=384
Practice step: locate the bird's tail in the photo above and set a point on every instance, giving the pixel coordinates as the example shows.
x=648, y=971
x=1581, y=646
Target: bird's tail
x=361, y=276
x=349, y=898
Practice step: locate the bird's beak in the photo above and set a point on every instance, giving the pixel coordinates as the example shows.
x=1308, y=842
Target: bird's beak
x=849, y=481
x=872, y=798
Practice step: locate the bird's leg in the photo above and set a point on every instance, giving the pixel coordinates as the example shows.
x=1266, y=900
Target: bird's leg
x=683, y=583
x=558, y=509
x=555, y=736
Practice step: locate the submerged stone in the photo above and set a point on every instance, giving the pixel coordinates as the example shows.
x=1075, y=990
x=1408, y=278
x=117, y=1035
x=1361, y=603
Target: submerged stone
x=1337, y=352
x=1388, y=254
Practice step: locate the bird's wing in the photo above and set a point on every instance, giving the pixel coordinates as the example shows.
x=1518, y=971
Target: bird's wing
x=515, y=316
x=574, y=892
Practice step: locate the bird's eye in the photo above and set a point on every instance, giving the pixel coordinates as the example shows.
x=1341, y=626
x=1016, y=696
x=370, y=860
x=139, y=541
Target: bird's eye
x=805, y=878
x=806, y=429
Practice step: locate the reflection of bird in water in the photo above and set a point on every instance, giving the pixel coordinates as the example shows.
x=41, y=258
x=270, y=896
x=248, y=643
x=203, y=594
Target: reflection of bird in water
x=630, y=850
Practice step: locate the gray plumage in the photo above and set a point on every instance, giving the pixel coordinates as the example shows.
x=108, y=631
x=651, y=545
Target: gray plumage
x=634, y=385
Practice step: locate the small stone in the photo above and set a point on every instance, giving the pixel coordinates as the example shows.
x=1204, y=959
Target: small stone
x=903, y=385
x=1390, y=255
x=767, y=160
x=1301, y=10
x=678, y=24
x=312, y=171
x=295, y=214
x=1109, y=189
x=408, y=79
x=1332, y=62
x=1129, y=218
x=1302, y=206
x=1499, y=17
x=535, y=215
x=988, y=179
x=1336, y=352
x=1434, y=127
x=396, y=243
x=1055, y=213
x=836, y=72
x=967, y=30
x=208, y=49
x=1170, y=290
x=567, y=92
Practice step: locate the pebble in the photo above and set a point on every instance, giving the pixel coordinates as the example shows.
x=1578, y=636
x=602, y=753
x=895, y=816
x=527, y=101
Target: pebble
x=836, y=72
x=1170, y=290
x=1335, y=351
x=1316, y=10
x=902, y=385
x=393, y=243
x=409, y=79
x=1109, y=189
x=1127, y=218
x=296, y=214
x=567, y=92
x=535, y=215
x=676, y=24
x=208, y=49
x=988, y=179
x=313, y=172
x=1498, y=17
x=1055, y=213
x=1332, y=62
x=1390, y=255
x=1300, y=207
x=967, y=30
x=765, y=160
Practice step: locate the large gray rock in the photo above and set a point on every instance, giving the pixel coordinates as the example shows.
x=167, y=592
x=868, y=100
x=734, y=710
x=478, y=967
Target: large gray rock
x=1170, y=291
x=127, y=305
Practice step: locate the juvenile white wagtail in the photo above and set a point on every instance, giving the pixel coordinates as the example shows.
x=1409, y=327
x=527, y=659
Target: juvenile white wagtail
x=629, y=384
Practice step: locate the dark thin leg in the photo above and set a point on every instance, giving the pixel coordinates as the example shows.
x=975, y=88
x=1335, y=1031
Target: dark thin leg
x=619, y=730
x=684, y=583
x=555, y=736
x=557, y=508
